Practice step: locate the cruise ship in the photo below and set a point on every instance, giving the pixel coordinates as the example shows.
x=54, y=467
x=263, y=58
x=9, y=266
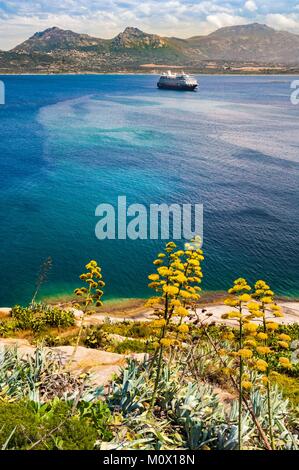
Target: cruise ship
x=175, y=81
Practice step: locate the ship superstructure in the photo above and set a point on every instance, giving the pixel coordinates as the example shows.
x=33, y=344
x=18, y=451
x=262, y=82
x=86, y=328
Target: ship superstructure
x=177, y=81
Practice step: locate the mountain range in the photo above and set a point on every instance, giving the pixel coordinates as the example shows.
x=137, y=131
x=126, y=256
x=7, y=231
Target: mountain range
x=253, y=46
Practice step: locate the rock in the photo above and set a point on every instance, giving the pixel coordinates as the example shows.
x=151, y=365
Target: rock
x=77, y=313
x=5, y=311
x=102, y=365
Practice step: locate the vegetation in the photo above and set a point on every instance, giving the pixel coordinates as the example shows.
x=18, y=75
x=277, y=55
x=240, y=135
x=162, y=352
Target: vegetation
x=197, y=385
x=231, y=50
x=43, y=406
x=176, y=282
x=42, y=277
x=89, y=295
x=36, y=318
x=27, y=425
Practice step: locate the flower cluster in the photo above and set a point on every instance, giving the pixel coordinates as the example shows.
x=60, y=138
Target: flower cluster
x=90, y=294
x=255, y=313
x=93, y=292
x=267, y=310
x=176, y=281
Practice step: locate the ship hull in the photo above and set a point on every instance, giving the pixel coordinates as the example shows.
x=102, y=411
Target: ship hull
x=177, y=87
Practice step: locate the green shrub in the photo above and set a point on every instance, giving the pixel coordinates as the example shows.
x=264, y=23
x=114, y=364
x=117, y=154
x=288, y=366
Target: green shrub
x=38, y=317
x=100, y=415
x=291, y=330
x=95, y=338
x=24, y=423
x=57, y=318
x=289, y=387
x=130, y=329
x=6, y=328
x=23, y=316
x=51, y=340
x=131, y=345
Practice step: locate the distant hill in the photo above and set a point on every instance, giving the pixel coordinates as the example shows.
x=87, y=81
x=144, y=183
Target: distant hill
x=57, y=50
x=54, y=39
x=253, y=42
x=133, y=38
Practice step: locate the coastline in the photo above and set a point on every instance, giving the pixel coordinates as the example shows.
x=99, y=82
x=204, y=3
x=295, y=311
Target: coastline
x=135, y=308
x=211, y=301
x=124, y=73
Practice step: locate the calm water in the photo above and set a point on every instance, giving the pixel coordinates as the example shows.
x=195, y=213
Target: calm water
x=69, y=143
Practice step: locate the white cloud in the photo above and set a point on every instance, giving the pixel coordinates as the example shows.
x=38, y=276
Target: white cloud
x=221, y=20
x=250, y=5
x=283, y=22
x=106, y=18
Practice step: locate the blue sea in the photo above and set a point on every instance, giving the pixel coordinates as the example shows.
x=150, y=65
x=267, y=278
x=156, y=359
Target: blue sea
x=70, y=143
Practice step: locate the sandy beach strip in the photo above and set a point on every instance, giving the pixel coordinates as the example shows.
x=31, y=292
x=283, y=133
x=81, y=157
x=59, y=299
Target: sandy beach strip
x=134, y=310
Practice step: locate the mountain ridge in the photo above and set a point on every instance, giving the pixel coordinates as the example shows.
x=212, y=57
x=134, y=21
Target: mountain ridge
x=56, y=49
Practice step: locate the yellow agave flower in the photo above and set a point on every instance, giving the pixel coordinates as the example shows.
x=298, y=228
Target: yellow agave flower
x=253, y=306
x=231, y=302
x=262, y=336
x=181, y=312
x=183, y=328
x=285, y=362
x=170, y=290
x=267, y=300
x=271, y=326
x=245, y=353
x=250, y=327
x=164, y=271
x=166, y=342
x=233, y=314
x=261, y=365
x=245, y=298
x=247, y=385
x=283, y=344
x=285, y=337
x=159, y=323
x=154, y=277
x=228, y=335
x=175, y=302
x=185, y=294
x=157, y=262
x=263, y=350
x=250, y=342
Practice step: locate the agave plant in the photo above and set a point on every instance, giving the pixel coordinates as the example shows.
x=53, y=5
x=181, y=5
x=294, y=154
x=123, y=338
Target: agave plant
x=199, y=412
x=129, y=391
x=40, y=378
x=146, y=432
x=284, y=438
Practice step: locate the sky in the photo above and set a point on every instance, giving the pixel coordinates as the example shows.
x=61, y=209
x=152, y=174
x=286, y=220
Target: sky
x=20, y=19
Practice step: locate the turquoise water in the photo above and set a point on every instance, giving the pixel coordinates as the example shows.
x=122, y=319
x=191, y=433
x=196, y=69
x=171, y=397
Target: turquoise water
x=69, y=143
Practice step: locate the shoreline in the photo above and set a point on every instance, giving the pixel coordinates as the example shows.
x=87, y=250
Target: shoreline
x=207, y=297
x=135, y=308
x=220, y=74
